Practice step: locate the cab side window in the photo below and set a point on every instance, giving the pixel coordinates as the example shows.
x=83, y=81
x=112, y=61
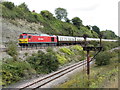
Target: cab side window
x=29, y=36
x=52, y=39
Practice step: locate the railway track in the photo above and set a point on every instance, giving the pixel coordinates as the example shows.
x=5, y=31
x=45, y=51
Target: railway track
x=52, y=77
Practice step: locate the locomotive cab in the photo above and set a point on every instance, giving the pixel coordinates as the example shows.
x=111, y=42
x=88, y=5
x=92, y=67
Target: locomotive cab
x=23, y=39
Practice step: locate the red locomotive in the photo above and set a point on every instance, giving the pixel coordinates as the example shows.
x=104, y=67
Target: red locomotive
x=37, y=39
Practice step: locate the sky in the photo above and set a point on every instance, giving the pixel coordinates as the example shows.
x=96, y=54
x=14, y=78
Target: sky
x=102, y=13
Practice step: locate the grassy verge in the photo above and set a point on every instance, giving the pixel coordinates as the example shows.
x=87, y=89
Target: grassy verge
x=105, y=76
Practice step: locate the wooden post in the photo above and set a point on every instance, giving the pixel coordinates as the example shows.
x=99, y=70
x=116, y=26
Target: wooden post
x=88, y=66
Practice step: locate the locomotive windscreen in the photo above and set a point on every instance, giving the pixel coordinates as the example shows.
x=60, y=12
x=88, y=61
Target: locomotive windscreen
x=21, y=36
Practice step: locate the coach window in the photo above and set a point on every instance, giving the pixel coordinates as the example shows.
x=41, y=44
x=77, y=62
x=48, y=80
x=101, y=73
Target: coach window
x=52, y=39
x=29, y=36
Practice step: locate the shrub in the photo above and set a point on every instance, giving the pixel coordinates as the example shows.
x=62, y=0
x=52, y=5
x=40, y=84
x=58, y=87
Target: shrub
x=49, y=49
x=12, y=49
x=26, y=54
x=13, y=71
x=61, y=59
x=109, y=45
x=103, y=58
x=47, y=14
x=77, y=47
x=43, y=63
x=9, y=5
x=67, y=51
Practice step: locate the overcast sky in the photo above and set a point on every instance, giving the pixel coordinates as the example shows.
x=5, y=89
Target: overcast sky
x=102, y=13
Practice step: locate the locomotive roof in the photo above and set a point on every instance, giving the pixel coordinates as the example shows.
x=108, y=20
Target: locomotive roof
x=38, y=34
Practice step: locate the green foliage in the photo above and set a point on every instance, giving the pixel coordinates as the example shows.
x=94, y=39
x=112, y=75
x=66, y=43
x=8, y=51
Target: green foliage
x=24, y=7
x=47, y=14
x=67, y=51
x=77, y=22
x=12, y=50
x=61, y=13
x=26, y=54
x=13, y=71
x=99, y=77
x=50, y=23
x=77, y=47
x=106, y=45
x=61, y=59
x=43, y=63
x=96, y=29
x=8, y=5
x=108, y=34
x=103, y=58
x=49, y=49
x=109, y=45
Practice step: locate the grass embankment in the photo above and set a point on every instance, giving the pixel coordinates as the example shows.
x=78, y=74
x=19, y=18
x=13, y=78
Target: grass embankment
x=15, y=69
x=105, y=76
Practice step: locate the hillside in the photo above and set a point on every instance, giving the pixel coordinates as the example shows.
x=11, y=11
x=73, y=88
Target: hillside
x=19, y=19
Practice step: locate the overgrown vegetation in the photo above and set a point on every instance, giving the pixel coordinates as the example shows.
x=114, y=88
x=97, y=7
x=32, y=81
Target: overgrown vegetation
x=12, y=50
x=43, y=63
x=105, y=45
x=100, y=76
x=103, y=58
x=14, y=70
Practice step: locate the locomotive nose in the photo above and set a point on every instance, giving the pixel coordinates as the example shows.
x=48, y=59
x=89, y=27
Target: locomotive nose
x=23, y=40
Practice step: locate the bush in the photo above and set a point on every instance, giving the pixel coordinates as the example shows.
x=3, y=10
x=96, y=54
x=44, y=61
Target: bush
x=12, y=50
x=109, y=45
x=67, y=51
x=13, y=71
x=77, y=47
x=9, y=5
x=49, y=49
x=103, y=58
x=47, y=14
x=43, y=63
x=61, y=59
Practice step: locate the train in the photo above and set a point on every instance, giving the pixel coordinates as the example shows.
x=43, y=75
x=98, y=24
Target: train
x=31, y=39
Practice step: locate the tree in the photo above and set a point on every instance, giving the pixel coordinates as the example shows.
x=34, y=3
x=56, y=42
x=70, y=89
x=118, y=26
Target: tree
x=61, y=13
x=88, y=27
x=108, y=34
x=77, y=22
x=67, y=20
x=96, y=29
x=24, y=7
x=103, y=58
x=9, y=5
x=46, y=14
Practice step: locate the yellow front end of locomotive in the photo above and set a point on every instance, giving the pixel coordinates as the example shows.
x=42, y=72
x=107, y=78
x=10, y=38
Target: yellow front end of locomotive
x=23, y=40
